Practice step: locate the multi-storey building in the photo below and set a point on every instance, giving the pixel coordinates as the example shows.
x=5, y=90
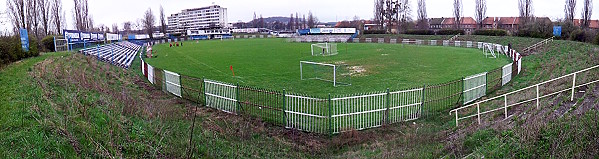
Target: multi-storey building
x=210, y=17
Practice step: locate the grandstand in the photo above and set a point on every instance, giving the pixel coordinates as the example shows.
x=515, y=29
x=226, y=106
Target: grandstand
x=119, y=54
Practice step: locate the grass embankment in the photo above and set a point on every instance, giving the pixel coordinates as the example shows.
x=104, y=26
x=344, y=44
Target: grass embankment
x=275, y=64
x=66, y=105
x=561, y=128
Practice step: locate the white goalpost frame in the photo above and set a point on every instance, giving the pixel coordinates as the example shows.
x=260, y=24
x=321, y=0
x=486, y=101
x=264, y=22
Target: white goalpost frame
x=335, y=82
x=487, y=47
x=330, y=49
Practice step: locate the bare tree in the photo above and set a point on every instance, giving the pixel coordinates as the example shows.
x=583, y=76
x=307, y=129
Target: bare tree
x=255, y=21
x=311, y=20
x=526, y=9
x=569, y=10
x=458, y=13
x=127, y=26
x=261, y=22
x=422, y=17
x=115, y=28
x=81, y=13
x=587, y=12
x=297, y=21
x=148, y=22
x=162, y=21
x=44, y=9
x=17, y=12
x=56, y=15
x=32, y=16
x=290, y=24
x=304, y=22
x=480, y=12
x=379, y=11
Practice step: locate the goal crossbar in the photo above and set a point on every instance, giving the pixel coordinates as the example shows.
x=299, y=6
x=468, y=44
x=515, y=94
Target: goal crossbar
x=334, y=79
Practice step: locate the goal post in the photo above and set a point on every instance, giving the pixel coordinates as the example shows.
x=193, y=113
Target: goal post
x=337, y=74
x=324, y=49
x=488, y=49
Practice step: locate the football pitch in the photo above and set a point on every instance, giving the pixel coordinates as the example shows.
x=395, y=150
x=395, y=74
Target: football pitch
x=275, y=64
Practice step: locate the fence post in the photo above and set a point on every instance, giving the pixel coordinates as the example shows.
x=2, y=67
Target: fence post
x=463, y=84
x=388, y=104
x=237, y=98
x=538, y=96
x=204, y=93
x=423, y=98
x=573, y=87
x=283, y=108
x=478, y=112
x=456, y=118
x=505, y=105
x=330, y=117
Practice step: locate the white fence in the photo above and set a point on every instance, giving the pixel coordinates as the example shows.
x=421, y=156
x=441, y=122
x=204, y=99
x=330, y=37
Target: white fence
x=535, y=93
x=173, y=82
x=221, y=96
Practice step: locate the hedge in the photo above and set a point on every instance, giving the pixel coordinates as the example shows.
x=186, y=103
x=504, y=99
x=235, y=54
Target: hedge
x=491, y=32
x=375, y=31
x=450, y=32
x=420, y=32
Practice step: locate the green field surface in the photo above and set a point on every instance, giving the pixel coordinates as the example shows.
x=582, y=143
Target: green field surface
x=275, y=64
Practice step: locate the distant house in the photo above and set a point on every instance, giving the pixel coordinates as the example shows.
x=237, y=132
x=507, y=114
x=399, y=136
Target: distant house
x=593, y=24
x=468, y=24
x=510, y=24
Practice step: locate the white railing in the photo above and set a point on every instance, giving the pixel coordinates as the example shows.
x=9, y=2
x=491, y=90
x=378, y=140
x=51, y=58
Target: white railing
x=221, y=96
x=541, y=43
x=534, y=88
x=173, y=82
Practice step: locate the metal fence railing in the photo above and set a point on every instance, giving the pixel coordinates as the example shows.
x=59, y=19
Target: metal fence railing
x=335, y=114
x=529, y=94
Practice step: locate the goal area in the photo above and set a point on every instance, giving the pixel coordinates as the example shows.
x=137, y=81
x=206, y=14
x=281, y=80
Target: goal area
x=324, y=49
x=339, y=75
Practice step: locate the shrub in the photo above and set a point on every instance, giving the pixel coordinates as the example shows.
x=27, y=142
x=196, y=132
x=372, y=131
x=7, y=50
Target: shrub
x=597, y=39
x=491, y=32
x=10, y=49
x=48, y=43
x=583, y=36
x=536, y=29
x=375, y=31
x=420, y=32
x=450, y=32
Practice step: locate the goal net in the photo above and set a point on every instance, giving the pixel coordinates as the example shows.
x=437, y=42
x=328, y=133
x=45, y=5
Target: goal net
x=61, y=44
x=339, y=75
x=324, y=49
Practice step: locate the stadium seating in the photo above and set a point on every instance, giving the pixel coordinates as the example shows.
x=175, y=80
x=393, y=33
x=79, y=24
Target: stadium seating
x=322, y=38
x=119, y=54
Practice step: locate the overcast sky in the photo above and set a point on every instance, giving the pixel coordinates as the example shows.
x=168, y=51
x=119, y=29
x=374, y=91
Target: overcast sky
x=108, y=12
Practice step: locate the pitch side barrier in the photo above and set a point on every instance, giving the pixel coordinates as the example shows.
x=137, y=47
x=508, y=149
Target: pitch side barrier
x=339, y=113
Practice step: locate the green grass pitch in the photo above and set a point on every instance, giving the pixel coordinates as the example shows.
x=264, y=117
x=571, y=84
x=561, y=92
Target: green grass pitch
x=274, y=64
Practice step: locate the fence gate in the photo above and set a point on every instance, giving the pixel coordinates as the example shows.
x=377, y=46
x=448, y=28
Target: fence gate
x=475, y=87
x=173, y=83
x=358, y=112
x=60, y=44
x=221, y=96
x=405, y=105
x=306, y=113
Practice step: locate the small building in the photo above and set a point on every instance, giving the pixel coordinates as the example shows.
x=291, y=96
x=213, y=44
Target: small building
x=593, y=24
